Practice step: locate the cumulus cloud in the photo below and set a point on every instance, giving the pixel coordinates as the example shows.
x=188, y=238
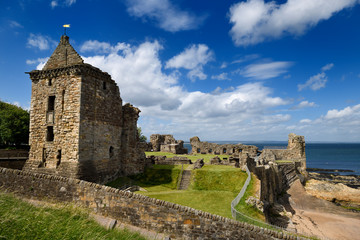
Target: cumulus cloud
x=39, y=41
x=192, y=58
x=335, y=125
x=169, y=108
x=40, y=62
x=346, y=113
x=317, y=81
x=304, y=104
x=255, y=21
x=262, y=71
x=166, y=15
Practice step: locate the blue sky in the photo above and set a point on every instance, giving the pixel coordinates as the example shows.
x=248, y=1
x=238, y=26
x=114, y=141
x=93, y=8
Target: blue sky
x=221, y=70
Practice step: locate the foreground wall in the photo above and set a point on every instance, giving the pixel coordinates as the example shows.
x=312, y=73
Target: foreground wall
x=177, y=221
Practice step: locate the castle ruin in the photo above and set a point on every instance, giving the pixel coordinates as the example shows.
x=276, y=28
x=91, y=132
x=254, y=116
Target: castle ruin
x=167, y=143
x=78, y=125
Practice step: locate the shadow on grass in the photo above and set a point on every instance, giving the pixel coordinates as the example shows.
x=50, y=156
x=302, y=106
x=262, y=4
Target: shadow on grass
x=158, y=175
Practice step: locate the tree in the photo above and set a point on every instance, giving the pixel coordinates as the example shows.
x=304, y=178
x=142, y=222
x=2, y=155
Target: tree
x=142, y=138
x=14, y=125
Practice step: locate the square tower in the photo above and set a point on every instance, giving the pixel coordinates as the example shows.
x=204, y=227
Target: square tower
x=78, y=126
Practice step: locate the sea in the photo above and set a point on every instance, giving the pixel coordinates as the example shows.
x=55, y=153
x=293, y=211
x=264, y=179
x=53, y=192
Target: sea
x=345, y=156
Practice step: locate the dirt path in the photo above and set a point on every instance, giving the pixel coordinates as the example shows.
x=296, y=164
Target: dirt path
x=321, y=218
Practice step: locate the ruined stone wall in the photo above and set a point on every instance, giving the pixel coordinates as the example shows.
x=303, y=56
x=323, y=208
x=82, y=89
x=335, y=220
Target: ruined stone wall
x=295, y=152
x=61, y=89
x=212, y=148
x=172, y=219
x=133, y=158
x=167, y=143
x=100, y=127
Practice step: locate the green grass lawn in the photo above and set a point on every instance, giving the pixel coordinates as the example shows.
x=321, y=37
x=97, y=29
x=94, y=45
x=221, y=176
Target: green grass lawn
x=21, y=220
x=192, y=157
x=212, y=189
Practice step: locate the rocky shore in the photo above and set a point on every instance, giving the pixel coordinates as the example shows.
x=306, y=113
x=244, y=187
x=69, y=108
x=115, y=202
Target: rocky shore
x=342, y=190
x=333, y=176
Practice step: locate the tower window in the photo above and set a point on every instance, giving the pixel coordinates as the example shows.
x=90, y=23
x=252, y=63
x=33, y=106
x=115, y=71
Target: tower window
x=50, y=134
x=104, y=85
x=50, y=82
x=51, y=103
x=58, y=157
x=111, y=152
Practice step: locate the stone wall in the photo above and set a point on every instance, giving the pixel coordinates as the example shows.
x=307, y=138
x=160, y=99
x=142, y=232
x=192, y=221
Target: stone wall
x=163, y=160
x=78, y=126
x=174, y=220
x=167, y=143
x=231, y=149
x=295, y=152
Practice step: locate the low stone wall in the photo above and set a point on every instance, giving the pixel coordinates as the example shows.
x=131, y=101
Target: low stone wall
x=12, y=163
x=174, y=220
x=163, y=160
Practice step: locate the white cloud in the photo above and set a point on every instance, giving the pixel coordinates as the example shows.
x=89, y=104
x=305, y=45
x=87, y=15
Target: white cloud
x=345, y=113
x=305, y=121
x=304, y=104
x=166, y=15
x=192, y=58
x=261, y=71
x=54, y=4
x=335, y=125
x=317, y=81
x=14, y=24
x=327, y=67
x=39, y=41
x=40, y=62
x=101, y=47
x=221, y=76
x=255, y=21
x=66, y=3
x=166, y=107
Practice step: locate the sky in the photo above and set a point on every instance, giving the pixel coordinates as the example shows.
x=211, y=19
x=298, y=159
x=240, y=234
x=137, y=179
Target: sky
x=250, y=70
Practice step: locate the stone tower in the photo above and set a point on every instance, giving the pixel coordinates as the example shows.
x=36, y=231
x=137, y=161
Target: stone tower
x=78, y=126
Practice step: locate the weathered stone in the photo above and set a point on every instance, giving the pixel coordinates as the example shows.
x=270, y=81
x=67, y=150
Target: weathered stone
x=78, y=126
x=167, y=143
x=199, y=163
x=212, y=148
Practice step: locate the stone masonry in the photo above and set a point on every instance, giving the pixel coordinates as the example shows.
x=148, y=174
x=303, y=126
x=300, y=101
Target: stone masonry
x=78, y=126
x=229, y=149
x=167, y=143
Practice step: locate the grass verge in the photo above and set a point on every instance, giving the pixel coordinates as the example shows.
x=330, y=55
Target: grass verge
x=21, y=220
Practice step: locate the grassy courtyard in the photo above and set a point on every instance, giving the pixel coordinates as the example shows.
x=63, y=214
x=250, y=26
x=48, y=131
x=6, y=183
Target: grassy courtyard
x=212, y=188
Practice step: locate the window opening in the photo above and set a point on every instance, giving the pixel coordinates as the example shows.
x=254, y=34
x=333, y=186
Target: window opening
x=63, y=100
x=50, y=134
x=50, y=82
x=210, y=150
x=58, y=157
x=51, y=103
x=104, y=85
x=198, y=150
x=111, y=152
x=224, y=150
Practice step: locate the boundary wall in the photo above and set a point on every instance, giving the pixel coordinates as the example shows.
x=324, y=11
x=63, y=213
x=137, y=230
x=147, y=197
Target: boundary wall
x=177, y=221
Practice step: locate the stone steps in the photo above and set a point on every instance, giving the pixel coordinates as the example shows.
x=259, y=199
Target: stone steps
x=185, y=180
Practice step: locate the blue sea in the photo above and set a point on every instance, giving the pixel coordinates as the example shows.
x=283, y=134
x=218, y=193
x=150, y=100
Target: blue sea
x=319, y=155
